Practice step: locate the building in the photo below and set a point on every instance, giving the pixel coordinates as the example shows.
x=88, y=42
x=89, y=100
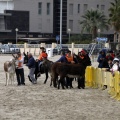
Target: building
x=41, y=18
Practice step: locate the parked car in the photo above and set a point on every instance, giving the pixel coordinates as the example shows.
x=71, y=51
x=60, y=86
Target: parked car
x=58, y=49
x=6, y=48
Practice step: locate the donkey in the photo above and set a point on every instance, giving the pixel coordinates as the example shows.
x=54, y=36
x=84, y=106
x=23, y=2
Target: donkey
x=9, y=68
x=46, y=65
x=44, y=69
x=64, y=69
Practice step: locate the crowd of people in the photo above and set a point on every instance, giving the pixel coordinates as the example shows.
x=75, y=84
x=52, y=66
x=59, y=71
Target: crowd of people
x=108, y=60
x=29, y=60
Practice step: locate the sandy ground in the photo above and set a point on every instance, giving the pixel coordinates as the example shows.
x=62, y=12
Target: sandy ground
x=42, y=102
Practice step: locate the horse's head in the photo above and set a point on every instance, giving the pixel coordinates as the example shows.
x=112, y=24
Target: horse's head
x=15, y=56
x=47, y=64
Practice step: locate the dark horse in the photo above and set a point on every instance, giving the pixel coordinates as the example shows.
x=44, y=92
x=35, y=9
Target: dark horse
x=67, y=70
x=46, y=65
x=63, y=70
x=44, y=69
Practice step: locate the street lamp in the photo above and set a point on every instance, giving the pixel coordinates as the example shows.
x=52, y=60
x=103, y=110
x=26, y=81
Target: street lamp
x=99, y=32
x=99, y=35
x=16, y=34
x=61, y=5
x=69, y=30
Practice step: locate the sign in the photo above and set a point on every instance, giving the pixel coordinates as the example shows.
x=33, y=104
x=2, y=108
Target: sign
x=102, y=39
x=57, y=37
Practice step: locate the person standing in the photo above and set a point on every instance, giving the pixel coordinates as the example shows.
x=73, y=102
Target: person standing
x=85, y=60
x=102, y=60
x=20, y=70
x=63, y=58
x=31, y=66
x=70, y=60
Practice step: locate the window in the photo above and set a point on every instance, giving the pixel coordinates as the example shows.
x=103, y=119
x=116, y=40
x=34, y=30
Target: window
x=85, y=7
x=102, y=7
x=48, y=8
x=40, y=8
x=97, y=6
x=71, y=24
x=70, y=9
x=78, y=8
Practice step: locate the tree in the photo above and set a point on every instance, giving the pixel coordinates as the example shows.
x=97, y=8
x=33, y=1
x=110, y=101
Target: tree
x=115, y=18
x=92, y=21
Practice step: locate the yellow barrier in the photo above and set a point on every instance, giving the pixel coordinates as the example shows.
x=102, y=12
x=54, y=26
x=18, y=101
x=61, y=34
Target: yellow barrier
x=97, y=78
x=89, y=77
x=117, y=86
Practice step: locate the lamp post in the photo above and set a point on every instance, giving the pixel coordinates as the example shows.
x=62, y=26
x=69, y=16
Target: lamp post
x=69, y=30
x=16, y=34
x=61, y=4
x=99, y=32
x=99, y=35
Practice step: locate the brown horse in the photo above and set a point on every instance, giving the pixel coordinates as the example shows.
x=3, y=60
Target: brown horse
x=47, y=64
x=64, y=69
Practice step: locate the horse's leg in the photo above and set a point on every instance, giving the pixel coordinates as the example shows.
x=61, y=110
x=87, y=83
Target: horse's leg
x=46, y=77
x=54, y=78
x=6, y=78
x=67, y=82
x=51, y=81
x=71, y=79
x=79, y=83
x=59, y=84
x=11, y=78
x=61, y=80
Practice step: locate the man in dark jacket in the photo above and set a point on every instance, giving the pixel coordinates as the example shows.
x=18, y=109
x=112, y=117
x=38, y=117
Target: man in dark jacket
x=31, y=66
x=63, y=58
x=85, y=60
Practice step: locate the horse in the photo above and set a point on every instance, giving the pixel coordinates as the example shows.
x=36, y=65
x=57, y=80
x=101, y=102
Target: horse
x=69, y=70
x=46, y=65
x=44, y=69
x=66, y=70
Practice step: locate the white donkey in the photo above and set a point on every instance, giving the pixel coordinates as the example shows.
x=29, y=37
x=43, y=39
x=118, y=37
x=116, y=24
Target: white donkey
x=9, y=68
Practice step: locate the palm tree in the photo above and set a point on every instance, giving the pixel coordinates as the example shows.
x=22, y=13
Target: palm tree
x=115, y=18
x=92, y=21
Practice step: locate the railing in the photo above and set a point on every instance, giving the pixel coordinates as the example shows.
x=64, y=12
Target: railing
x=49, y=45
x=34, y=48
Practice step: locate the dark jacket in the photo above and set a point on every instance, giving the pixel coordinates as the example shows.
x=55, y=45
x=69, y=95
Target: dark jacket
x=31, y=63
x=63, y=59
x=102, y=61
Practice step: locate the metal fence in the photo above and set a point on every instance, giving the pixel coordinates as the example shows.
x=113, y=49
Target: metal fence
x=49, y=45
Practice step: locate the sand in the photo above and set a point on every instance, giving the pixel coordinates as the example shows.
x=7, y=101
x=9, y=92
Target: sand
x=42, y=102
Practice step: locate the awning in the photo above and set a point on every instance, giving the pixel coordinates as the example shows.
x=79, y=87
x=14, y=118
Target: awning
x=33, y=39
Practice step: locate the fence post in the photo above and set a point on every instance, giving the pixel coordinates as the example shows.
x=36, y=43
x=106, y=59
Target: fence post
x=25, y=46
x=72, y=48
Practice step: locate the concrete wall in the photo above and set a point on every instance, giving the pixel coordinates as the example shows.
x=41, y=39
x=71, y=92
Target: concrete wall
x=92, y=4
x=38, y=23
x=44, y=23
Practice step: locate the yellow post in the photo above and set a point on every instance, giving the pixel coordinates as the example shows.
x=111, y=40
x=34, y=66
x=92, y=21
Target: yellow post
x=89, y=80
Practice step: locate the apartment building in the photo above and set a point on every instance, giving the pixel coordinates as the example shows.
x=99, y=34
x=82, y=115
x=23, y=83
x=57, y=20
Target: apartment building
x=41, y=18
